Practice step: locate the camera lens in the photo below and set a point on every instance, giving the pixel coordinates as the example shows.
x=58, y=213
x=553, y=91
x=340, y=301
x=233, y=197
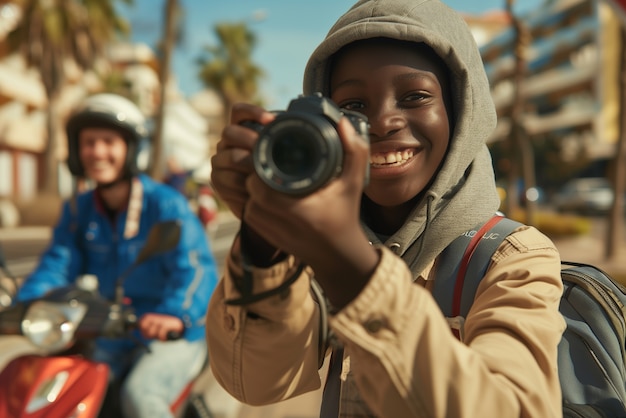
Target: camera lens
x=300, y=150
x=293, y=154
x=298, y=153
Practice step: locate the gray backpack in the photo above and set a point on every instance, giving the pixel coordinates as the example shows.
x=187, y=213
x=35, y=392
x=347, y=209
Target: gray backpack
x=591, y=354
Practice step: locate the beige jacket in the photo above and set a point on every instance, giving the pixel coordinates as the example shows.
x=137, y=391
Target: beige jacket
x=400, y=348
x=403, y=358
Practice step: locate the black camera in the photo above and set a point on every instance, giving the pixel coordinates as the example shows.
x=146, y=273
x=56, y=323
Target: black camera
x=300, y=151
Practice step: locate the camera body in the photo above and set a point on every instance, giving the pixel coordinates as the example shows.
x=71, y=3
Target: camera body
x=300, y=151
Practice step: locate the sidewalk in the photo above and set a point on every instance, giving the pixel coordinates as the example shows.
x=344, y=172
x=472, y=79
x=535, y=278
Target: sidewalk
x=590, y=249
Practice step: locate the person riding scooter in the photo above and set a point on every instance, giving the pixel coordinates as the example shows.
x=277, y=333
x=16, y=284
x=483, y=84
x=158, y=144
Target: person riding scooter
x=100, y=232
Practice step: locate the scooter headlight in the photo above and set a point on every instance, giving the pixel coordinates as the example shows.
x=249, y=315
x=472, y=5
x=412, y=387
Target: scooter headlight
x=50, y=325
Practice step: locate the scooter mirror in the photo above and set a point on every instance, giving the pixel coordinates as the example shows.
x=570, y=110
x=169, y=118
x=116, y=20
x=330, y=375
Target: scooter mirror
x=163, y=237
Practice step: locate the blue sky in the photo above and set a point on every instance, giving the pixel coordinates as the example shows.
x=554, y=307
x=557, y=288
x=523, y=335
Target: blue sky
x=288, y=32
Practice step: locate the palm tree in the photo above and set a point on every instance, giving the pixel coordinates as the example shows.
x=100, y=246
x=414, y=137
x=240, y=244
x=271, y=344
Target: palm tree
x=520, y=140
x=52, y=32
x=615, y=226
x=228, y=67
x=171, y=33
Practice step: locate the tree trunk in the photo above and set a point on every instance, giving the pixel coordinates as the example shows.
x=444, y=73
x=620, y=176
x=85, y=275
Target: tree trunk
x=171, y=15
x=616, y=218
x=50, y=184
x=519, y=137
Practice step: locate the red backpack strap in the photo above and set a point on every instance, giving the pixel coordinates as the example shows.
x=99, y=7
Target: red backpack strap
x=462, y=265
x=467, y=255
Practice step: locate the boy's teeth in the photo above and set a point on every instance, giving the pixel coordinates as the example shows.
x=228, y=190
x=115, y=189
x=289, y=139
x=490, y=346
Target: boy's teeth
x=391, y=157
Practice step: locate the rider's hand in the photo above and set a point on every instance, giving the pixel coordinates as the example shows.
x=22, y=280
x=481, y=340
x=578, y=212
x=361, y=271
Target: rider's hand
x=157, y=326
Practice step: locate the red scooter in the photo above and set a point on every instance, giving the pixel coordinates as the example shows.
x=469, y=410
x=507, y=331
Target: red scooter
x=64, y=324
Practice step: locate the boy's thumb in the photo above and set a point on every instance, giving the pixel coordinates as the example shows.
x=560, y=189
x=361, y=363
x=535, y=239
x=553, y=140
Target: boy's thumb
x=355, y=146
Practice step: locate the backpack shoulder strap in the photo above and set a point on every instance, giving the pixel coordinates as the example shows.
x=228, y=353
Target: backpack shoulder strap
x=462, y=265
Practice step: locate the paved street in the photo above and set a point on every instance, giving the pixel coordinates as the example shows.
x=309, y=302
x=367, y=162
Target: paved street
x=590, y=249
x=21, y=246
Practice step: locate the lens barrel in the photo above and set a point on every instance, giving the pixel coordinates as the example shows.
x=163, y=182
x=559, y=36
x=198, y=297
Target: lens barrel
x=300, y=150
x=298, y=153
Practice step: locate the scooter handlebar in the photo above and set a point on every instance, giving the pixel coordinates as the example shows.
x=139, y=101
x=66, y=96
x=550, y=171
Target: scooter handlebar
x=174, y=335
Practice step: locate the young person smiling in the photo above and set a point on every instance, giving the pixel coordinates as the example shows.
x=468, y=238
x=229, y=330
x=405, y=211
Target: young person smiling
x=101, y=232
x=413, y=68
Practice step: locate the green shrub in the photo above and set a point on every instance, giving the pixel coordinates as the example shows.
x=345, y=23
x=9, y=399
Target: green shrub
x=556, y=225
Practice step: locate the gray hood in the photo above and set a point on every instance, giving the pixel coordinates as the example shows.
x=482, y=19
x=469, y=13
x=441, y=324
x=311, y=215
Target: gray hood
x=463, y=193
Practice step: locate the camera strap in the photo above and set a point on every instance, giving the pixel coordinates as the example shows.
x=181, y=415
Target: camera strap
x=246, y=284
x=245, y=287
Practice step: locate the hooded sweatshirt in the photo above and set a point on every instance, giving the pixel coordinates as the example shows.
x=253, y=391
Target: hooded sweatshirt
x=463, y=193
x=399, y=357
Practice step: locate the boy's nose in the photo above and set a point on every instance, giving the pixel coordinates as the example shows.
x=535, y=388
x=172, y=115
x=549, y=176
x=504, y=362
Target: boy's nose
x=386, y=121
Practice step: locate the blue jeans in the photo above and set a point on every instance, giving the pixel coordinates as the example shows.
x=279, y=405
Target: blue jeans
x=153, y=380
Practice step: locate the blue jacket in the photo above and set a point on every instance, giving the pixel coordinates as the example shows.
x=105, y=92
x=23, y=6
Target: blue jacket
x=85, y=241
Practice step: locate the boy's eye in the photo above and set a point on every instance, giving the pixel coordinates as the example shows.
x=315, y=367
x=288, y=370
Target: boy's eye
x=351, y=105
x=415, y=96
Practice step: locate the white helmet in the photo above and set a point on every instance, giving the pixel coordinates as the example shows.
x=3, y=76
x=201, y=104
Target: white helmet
x=106, y=110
